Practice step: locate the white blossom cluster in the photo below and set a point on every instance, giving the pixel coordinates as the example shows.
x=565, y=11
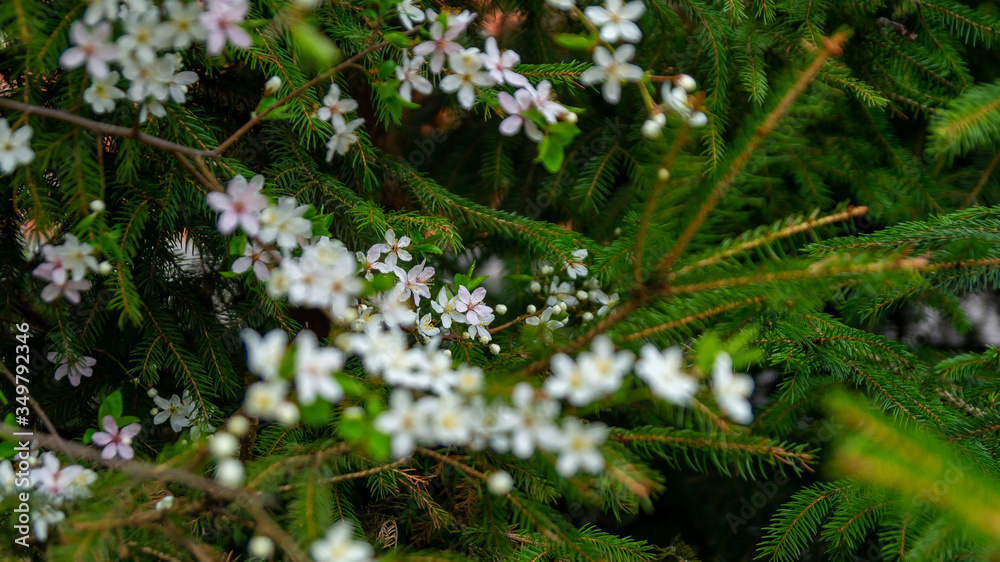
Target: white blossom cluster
x=51, y=487
x=15, y=146
x=64, y=269
x=145, y=32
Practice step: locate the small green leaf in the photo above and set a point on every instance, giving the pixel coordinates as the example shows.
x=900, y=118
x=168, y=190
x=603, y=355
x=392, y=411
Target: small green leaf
x=111, y=406
x=399, y=40
x=88, y=436
x=574, y=42
x=237, y=245
x=316, y=414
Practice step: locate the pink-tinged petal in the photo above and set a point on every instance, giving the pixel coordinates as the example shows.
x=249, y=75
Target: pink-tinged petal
x=125, y=451
x=479, y=294
x=515, y=79
x=425, y=48
x=250, y=224
x=227, y=222
x=109, y=425
x=239, y=37
x=242, y=264
x=261, y=271
x=130, y=430
x=74, y=379
x=216, y=40
x=593, y=75
x=533, y=132
x=50, y=293
x=109, y=451
x=101, y=438
x=466, y=96
x=73, y=57
x=508, y=103
x=219, y=201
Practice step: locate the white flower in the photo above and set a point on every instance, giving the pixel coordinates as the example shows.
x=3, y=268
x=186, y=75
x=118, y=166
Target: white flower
x=445, y=307
x=369, y=261
x=240, y=205
x=103, y=92
x=677, y=99
x=334, y=109
x=283, y=223
x=395, y=312
x=339, y=546
x=69, y=289
x=467, y=68
x=264, y=399
x=515, y=106
x=617, y=20
x=426, y=326
x=544, y=101
x=183, y=27
x=571, y=382
x=415, y=283
x=732, y=390
x=561, y=293
x=469, y=380
x=343, y=137
x=177, y=412
x=408, y=74
x=605, y=366
x=663, y=372
x=449, y=420
x=606, y=302
x=408, y=13
x=74, y=367
x=499, y=64
x=394, y=249
x=534, y=425
x=142, y=37
x=98, y=10
x=561, y=4
x=314, y=367
x=256, y=257
x=91, y=49
x=575, y=267
x=472, y=305
x=442, y=41
x=15, y=147
x=264, y=354
x=222, y=23
x=612, y=70
x=579, y=448
x=545, y=319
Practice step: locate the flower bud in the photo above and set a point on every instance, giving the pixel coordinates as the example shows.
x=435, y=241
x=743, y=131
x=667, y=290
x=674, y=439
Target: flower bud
x=484, y=340
x=588, y=316
x=663, y=174
x=698, y=119
x=532, y=309
x=97, y=205
x=353, y=413
x=563, y=307
x=501, y=309
x=154, y=411
x=272, y=85
x=350, y=315
x=571, y=117
x=229, y=472
x=660, y=118
x=534, y=286
x=152, y=393
x=126, y=440
x=500, y=483
x=651, y=129
x=547, y=269
x=447, y=352
x=494, y=349
x=686, y=82
x=238, y=426
x=224, y=445
x=261, y=547
x=582, y=295
x=618, y=232
x=165, y=503
x=104, y=268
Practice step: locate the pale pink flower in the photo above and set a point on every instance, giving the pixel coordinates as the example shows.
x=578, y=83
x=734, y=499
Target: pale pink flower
x=70, y=289
x=472, y=304
x=442, y=41
x=408, y=74
x=394, y=248
x=499, y=64
x=415, y=283
x=75, y=367
x=91, y=48
x=116, y=443
x=222, y=20
x=240, y=205
x=257, y=257
x=334, y=109
x=514, y=106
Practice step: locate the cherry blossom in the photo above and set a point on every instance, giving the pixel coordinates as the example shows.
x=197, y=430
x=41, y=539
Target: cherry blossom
x=240, y=205
x=471, y=304
x=445, y=307
x=571, y=382
x=178, y=412
x=142, y=38
x=394, y=249
x=575, y=267
x=617, y=20
x=534, y=425
x=182, y=28
x=410, y=78
x=284, y=223
x=264, y=354
x=15, y=147
x=403, y=422
x=467, y=68
x=579, y=448
x=415, y=283
x=677, y=99
x=515, y=106
x=499, y=64
x=369, y=261
x=339, y=546
x=314, y=367
x=256, y=257
x=343, y=137
x=98, y=10
x=221, y=22
x=103, y=92
x=426, y=326
x=442, y=41
x=69, y=289
x=544, y=102
x=732, y=390
x=91, y=49
x=74, y=367
x=604, y=365
x=409, y=13
x=663, y=372
x=116, y=443
x=612, y=70
x=334, y=109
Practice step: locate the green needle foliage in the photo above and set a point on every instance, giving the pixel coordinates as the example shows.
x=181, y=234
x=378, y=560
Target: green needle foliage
x=846, y=177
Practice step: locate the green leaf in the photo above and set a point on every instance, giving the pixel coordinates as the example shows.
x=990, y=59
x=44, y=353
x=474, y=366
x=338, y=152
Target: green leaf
x=88, y=436
x=574, y=42
x=237, y=245
x=111, y=406
x=398, y=39
x=317, y=413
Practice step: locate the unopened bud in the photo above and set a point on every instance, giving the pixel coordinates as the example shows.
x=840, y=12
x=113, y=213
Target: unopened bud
x=484, y=340
x=287, y=413
x=698, y=119
x=501, y=309
x=547, y=269
x=104, y=268
x=224, y=445
x=660, y=118
x=97, y=205
x=272, y=85
x=534, y=286
x=532, y=309
x=686, y=82
x=494, y=349
x=261, y=547
x=229, y=472
x=582, y=295
x=500, y=483
x=571, y=117
x=663, y=174
x=154, y=411
x=588, y=316
x=152, y=393
x=651, y=129
x=238, y=426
